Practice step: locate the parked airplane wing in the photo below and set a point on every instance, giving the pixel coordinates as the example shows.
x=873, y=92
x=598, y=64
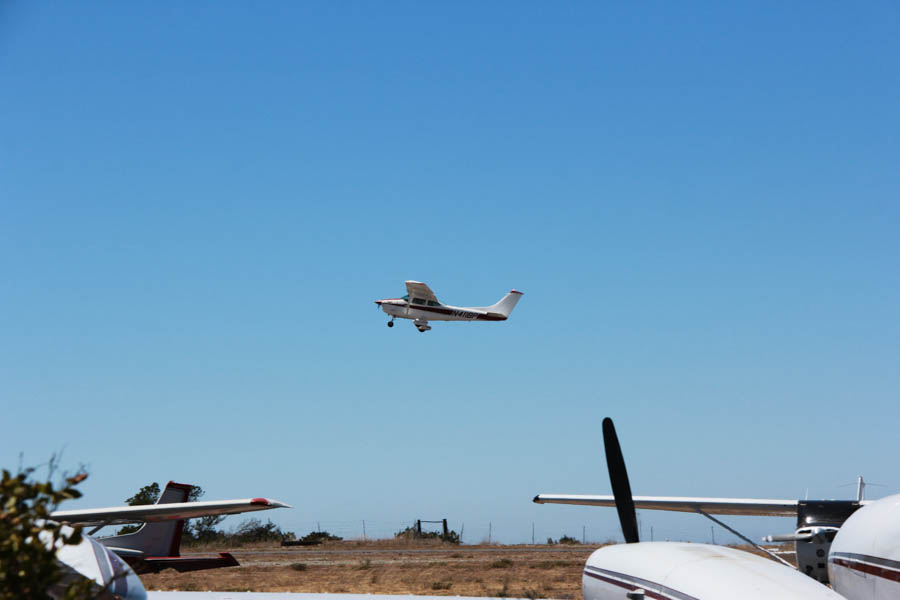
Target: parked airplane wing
x=417, y=289
x=716, y=506
x=117, y=515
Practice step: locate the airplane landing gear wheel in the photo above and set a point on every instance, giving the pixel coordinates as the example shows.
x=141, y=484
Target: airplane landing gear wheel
x=390, y=323
x=421, y=330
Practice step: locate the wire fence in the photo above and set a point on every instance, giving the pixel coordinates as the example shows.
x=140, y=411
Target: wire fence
x=502, y=532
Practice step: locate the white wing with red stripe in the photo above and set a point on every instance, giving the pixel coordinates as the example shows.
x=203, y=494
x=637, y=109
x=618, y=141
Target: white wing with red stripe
x=117, y=515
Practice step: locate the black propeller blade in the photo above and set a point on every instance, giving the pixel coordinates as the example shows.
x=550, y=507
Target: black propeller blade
x=618, y=479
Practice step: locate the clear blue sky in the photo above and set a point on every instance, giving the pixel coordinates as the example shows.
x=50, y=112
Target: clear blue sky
x=200, y=201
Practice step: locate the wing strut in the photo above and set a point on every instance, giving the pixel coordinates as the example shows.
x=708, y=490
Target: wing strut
x=98, y=528
x=746, y=539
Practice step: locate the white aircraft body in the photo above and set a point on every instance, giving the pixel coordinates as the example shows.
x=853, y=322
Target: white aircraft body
x=681, y=571
x=156, y=545
x=852, y=544
x=421, y=306
x=678, y=571
x=864, y=560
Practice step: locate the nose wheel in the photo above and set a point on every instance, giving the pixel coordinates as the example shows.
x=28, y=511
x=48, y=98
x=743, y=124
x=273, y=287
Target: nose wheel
x=390, y=323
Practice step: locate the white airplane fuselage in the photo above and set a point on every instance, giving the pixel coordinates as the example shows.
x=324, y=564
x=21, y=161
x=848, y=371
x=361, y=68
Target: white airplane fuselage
x=864, y=560
x=682, y=571
x=422, y=306
x=403, y=309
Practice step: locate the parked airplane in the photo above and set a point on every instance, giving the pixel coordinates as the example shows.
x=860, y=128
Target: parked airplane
x=864, y=560
x=156, y=545
x=678, y=571
x=421, y=305
x=817, y=520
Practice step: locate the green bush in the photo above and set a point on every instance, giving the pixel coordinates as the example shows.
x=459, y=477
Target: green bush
x=28, y=539
x=410, y=532
x=317, y=537
x=568, y=540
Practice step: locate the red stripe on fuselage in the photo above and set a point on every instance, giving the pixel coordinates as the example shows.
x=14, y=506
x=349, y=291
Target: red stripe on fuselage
x=629, y=586
x=883, y=572
x=450, y=311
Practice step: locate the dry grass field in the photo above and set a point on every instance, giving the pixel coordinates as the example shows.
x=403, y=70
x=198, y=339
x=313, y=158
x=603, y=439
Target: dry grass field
x=500, y=571
x=391, y=567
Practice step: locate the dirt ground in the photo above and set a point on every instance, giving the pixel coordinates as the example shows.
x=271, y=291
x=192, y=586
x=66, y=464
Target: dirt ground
x=501, y=571
x=390, y=568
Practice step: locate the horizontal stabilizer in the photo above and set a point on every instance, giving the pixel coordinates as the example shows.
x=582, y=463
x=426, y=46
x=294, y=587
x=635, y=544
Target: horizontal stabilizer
x=184, y=564
x=715, y=506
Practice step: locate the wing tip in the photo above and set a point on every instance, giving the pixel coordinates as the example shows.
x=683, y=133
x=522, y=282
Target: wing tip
x=269, y=502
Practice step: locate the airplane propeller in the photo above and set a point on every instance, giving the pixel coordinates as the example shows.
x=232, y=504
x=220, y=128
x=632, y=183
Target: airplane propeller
x=618, y=480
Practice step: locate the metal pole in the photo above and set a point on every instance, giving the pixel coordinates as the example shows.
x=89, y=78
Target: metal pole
x=532, y=533
x=364, y=530
x=490, y=526
x=745, y=538
x=582, y=534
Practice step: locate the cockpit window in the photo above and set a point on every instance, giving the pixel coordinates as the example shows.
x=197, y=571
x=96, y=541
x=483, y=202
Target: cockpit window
x=406, y=297
x=418, y=301
x=433, y=303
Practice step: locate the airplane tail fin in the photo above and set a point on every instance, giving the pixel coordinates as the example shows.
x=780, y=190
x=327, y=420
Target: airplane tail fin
x=506, y=304
x=161, y=538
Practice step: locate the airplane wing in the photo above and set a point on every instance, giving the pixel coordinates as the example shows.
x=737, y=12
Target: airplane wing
x=715, y=506
x=149, y=513
x=417, y=289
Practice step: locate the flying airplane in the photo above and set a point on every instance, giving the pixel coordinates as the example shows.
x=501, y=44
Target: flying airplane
x=678, y=571
x=156, y=545
x=421, y=305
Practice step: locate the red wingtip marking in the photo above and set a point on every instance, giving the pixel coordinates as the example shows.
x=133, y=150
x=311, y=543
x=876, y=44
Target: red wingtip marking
x=260, y=502
x=515, y=292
